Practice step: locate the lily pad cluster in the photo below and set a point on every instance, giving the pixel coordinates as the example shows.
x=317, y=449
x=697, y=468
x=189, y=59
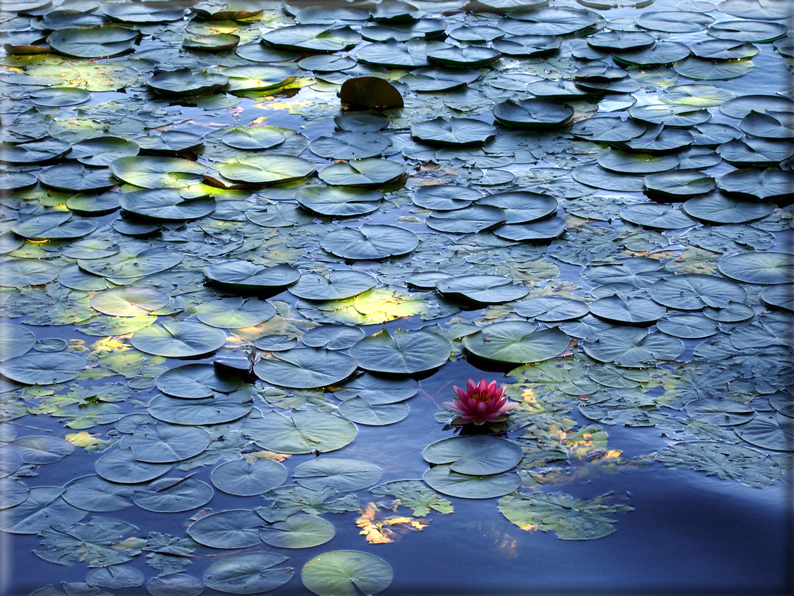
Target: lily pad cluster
x=239, y=237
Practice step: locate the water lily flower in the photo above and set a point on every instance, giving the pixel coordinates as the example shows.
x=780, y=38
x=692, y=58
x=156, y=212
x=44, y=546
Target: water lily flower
x=481, y=402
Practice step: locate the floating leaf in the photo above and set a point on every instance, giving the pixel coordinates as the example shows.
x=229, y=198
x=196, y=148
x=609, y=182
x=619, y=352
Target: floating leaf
x=569, y=518
x=341, y=573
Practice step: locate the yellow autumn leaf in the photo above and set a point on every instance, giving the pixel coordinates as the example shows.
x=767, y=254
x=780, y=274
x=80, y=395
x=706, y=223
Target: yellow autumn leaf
x=83, y=439
x=264, y=454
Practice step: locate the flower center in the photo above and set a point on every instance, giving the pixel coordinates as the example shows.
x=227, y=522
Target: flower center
x=478, y=396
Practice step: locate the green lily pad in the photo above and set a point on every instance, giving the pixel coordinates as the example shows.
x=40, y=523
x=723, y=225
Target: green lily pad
x=466, y=486
x=173, y=495
x=337, y=285
x=761, y=185
x=679, y=183
x=627, y=310
x=92, y=493
x=569, y=518
x=345, y=572
x=196, y=381
x=219, y=409
x=632, y=348
x=657, y=217
x=129, y=301
x=764, y=268
x=445, y=197
x=780, y=296
x=60, y=97
x=342, y=474
x=75, y=177
x=183, y=82
x=365, y=172
x=93, y=42
x=767, y=435
x=157, y=172
x=377, y=390
x=721, y=412
x=178, y=339
x=238, y=477
x=165, y=444
x=254, y=138
x=370, y=242
x=481, y=289
x=516, y=342
x=305, y=368
x=532, y=113
x=312, y=38
x=338, y=201
x=361, y=412
x=404, y=352
x=235, y=528
x=724, y=460
x=121, y=467
x=453, y=132
x=165, y=204
x=476, y=455
x=469, y=220
x=43, y=369
x=264, y=170
x=720, y=209
x=246, y=276
x=305, y=432
x=695, y=292
x=259, y=77
x=298, y=531
x=234, y=312
x=43, y=507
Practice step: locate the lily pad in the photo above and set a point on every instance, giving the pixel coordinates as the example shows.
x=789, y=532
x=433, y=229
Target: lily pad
x=532, y=113
x=173, y=495
x=476, y=455
x=364, y=172
x=514, y=342
x=467, y=486
x=238, y=477
x=695, y=292
x=235, y=528
x=178, y=339
x=312, y=38
x=157, y=172
x=298, y=531
x=723, y=460
x=569, y=518
x=305, y=368
x=764, y=268
x=262, y=170
x=93, y=42
x=184, y=82
x=633, y=348
x=342, y=474
x=246, y=276
x=196, y=381
x=305, y=432
x=404, y=352
x=345, y=572
x=720, y=209
x=43, y=369
x=234, y=312
x=481, y=289
x=370, y=242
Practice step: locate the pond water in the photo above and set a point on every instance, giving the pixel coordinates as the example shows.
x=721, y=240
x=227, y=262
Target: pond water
x=228, y=381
